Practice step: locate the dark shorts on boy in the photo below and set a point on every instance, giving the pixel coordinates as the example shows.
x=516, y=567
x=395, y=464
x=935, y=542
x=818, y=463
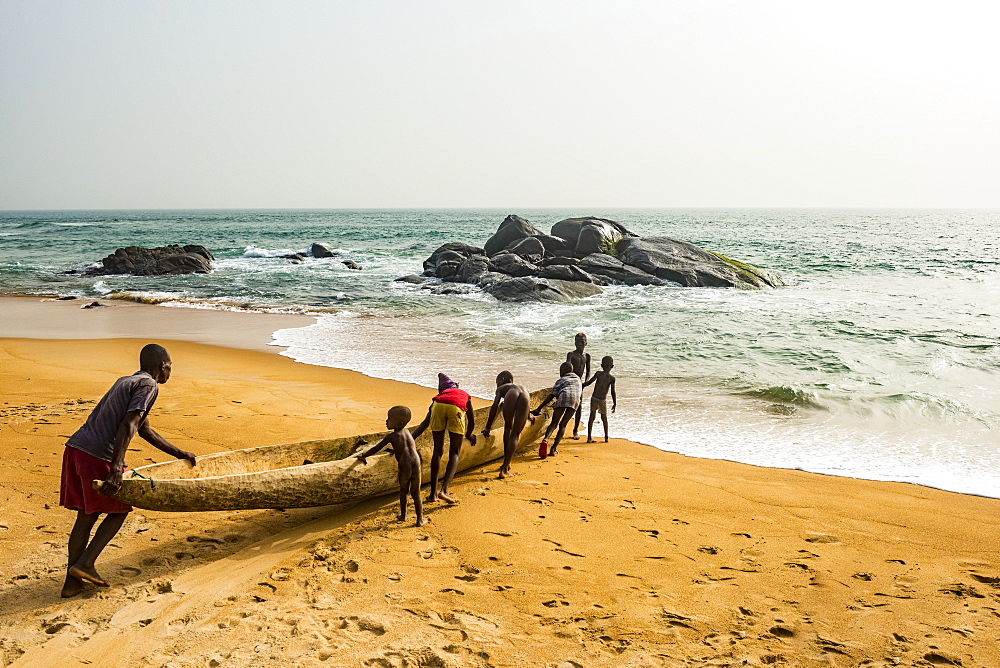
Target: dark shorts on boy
x=79, y=470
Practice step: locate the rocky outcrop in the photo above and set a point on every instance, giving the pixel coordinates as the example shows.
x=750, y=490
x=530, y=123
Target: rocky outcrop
x=691, y=266
x=513, y=228
x=526, y=247
x=531, y=289
x=164, y=260
x=513, y=265
x=582, y=254
x=454, y=251
x=590, y=235
x=616, y=271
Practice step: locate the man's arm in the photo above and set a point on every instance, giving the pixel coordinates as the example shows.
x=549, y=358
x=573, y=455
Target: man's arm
x=586, y=371
x=147, y=433
x=592, y=379
x=420, y=428
x=126, y=430
x=614, y=399
x=497, y=400
x=538, y=411
x=375, y=448
x=471, y=420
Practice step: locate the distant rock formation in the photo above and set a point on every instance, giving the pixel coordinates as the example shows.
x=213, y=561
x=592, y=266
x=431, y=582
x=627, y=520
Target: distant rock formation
x=319, y=250
x=164, y=260
x=520, y=263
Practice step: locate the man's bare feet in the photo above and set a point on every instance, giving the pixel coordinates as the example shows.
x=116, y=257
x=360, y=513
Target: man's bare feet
x=72, y=587
x=88, y=574
x=422, y=521
x=431, y=498
x=447, y=499
x=590, y=440
x=400, y=518
x=605, y=439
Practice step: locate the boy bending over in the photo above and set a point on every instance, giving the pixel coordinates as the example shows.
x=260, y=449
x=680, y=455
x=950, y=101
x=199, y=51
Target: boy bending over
x=567, y=392
x=515, y=401
x=97, y=451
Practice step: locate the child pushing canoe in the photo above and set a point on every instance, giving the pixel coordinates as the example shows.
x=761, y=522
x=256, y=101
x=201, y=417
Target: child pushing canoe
x=404, y=449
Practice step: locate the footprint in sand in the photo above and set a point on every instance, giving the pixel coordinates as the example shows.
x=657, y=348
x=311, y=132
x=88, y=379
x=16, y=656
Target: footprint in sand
x=129, y=570
x=821, y=538
x=781, y=631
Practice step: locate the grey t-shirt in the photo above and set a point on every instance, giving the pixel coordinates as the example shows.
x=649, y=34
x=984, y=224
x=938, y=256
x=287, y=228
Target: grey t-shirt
x=129, y=393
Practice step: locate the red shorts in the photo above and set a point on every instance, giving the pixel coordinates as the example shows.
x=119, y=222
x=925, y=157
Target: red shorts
x=75, y=491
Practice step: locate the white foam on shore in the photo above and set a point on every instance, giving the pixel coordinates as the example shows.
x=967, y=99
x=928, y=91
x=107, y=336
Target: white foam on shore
x=690, y=420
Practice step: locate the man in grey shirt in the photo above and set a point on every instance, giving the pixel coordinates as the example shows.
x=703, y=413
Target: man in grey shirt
x=97, y=452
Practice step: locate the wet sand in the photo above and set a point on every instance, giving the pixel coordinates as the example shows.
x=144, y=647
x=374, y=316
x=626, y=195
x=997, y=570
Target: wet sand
x=608, y=555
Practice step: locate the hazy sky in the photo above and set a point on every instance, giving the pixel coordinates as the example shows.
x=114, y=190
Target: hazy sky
x=371, y=103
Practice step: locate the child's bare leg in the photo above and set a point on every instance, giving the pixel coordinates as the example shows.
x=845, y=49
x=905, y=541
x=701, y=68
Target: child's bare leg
x=438, y=437
x=78, y=539
x=590, y=426
x=553, y=424
x=505, y=466
x=454, y=449
x=579, y=416
x=604, y=419
x=516, y=416
x=414, y=489
x=404, y=491
x=564, y=420
x=84, y=567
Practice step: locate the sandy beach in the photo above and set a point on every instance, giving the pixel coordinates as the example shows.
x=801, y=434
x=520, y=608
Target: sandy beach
x=610, y=555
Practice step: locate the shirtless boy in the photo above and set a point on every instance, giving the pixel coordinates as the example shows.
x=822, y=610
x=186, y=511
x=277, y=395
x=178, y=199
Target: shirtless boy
x=514, y=400
x=567, y=392
x=451, y=411
x=97, y=451
x=581, y=367
x=407, y=460
x=603, y=381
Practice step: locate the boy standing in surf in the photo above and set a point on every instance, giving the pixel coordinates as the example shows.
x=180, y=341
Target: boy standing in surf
x=603, y=381
x=581, y=367
x=515, y=401
x=96, y=451
x=567, y=392
x=407, y=461
x=451, y=411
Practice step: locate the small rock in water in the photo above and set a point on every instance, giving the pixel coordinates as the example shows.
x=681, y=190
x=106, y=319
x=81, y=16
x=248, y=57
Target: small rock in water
x=93, y=305
x=319, y=250
x=351, y=264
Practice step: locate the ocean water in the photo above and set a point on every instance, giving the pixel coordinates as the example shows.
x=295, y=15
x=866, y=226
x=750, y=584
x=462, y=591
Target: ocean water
x=881, y=360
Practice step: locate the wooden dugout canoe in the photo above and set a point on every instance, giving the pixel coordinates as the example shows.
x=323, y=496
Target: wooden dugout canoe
x=275, y=476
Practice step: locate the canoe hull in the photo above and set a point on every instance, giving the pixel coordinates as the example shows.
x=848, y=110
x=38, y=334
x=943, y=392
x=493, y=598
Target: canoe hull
x=276, y=477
